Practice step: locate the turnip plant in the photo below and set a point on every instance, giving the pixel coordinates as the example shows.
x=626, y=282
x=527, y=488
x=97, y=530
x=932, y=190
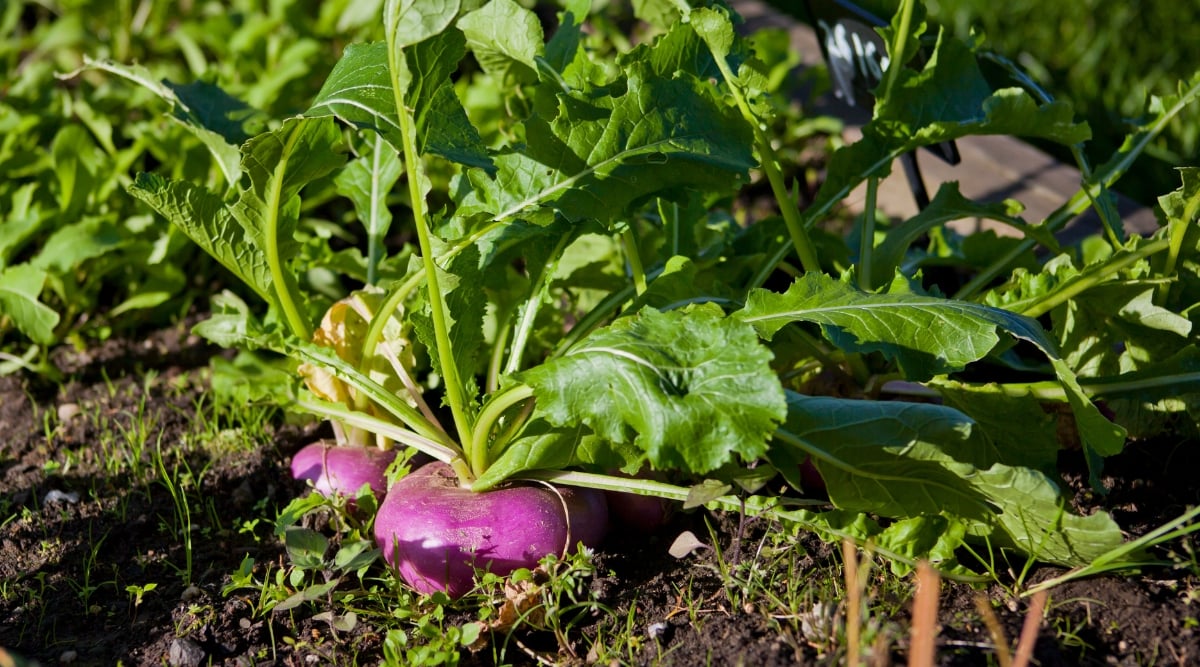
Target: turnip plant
x=574, y=294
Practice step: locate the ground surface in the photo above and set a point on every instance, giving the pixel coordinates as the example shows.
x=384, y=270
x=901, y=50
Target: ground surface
x=77, y=539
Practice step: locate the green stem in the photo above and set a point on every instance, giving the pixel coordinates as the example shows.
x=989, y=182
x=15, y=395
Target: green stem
x=866, y=241
x=898, y=46
x=525, y=325
x=364, y=421
x=455, y=394
x=1178, y=232
x=285, y=291
x=503, y=331
x=770, y=166
x=489, y=416
x=1071, y=290
x=668, y=212
x=374, y=238
x=629, y=241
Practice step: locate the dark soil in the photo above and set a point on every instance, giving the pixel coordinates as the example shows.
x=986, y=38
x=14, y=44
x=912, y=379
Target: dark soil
x=76, y=540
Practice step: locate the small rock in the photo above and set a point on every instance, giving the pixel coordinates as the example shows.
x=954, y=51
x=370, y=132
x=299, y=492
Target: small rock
x=68, y=657
x=190, y=593
x=185, y=653
x=56, y=496
x=656, y=630
x=244, y=623
x=67, y=412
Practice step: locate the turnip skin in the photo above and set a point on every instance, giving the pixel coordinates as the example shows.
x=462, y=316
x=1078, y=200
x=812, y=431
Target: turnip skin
x=645, y=514
x=435, y=533
x=340, y=470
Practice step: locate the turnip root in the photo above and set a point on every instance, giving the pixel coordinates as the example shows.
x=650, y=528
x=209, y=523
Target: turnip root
x=811, y=477
x=342, y=470
x=645, y=514
x=436, y=533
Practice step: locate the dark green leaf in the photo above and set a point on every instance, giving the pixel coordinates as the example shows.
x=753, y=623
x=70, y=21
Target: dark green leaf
x=691, y=388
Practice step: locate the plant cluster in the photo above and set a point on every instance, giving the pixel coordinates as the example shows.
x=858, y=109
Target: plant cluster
x=576, y=290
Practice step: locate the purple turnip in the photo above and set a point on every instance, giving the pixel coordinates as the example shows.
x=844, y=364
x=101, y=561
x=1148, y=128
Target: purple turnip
x=810, y=477
x=436, y=533
x=342, y=470
x=645, y=514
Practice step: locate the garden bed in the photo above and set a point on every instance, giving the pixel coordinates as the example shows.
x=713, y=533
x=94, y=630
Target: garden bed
x=71, y=568
x=563, y=248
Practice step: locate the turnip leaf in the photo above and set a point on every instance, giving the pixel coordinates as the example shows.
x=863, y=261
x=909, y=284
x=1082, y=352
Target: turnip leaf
x=690, y=388
x=206, y=220
x=599, y=155
x=926, y=336
x=505, y=38
x=408, y=22
x=367, y=181
x=948, y=99
x=909, y=459
x=359, y=92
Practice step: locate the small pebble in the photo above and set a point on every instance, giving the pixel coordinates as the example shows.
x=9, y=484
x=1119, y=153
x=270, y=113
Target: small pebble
x=190, y=593
x=656, y=630
x=68, y=657
x=67, y=411
x=184, y=653
x=56, y=496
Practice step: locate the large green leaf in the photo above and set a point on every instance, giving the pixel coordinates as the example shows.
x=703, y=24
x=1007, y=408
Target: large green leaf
x=926, y=336
x=205, y=219
x=359, y=91
x=600, y=155
x=20, y=287
x=213, y=116
x=506, y=39
x=911, y=459
x=408, y=22
x=690, y=388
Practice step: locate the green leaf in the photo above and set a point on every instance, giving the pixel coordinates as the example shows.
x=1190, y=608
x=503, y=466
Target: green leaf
x=219, y=120
x=599, y=156
x=931, y=538
x=911, y=459
x=539, y=446
x=691, y=388
x=1024, y=433
x=926, y=335
x=466, y=304
x=205, y=219
x=367, y=181
x=359, y=91
x=75, y=243
x=948, y=205
x=20, y=287
x=408, y=22
x=948, y=99
x=506, y=39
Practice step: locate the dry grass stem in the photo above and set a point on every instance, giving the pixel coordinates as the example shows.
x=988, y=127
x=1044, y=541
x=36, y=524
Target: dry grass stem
x=1029, y=631
x=853, y=602
x=922, y=650
x=984, y=606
